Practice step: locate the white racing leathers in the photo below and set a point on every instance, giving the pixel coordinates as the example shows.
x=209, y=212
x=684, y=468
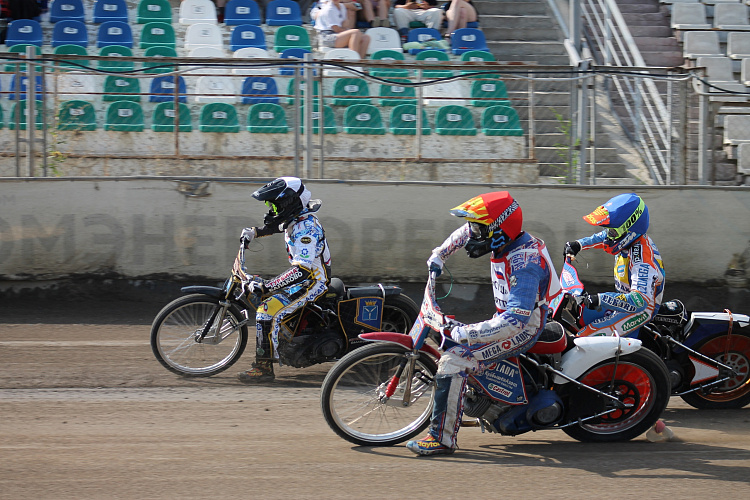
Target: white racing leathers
x=524, y=281
x=303, y=282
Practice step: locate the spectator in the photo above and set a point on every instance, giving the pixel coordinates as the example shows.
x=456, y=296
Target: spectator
x=406, y=12
x=375, y=12
x=21, y=9
x=329, y=23
x=459, y=13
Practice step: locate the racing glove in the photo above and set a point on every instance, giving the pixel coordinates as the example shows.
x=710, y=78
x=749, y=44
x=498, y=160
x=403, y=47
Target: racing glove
x=255, y=287
x=571, y=248
x=248, y=234
x=459, y=334
x=589, y=301
x=435, y=263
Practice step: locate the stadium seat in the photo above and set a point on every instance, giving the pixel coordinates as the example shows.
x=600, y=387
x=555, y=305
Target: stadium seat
x=383, y=39
x=257, y=89
x=60, y=10
x=238, y=12
x=24, y=32
x=114, y=33
x=478, y=56
x=736, y=129
x=296, y=54
x=76, y=85
x=252, y=53
x=219, y=117
x=121, y=88
x=363, y=119
x=404, y=120
x=434, y=56
x=163, y=89
x=20, y=49
x=72, y=63
x=700, y=43
x=21, y=89
x=738, y=45
x=289, y=37
x=211, y=54
x=110, y=10
x=247, y=35
x=745, y=71
x=267, y=118
x=113, y=62
x=329, y=120
x=423, y=35
x=2, y=118
x=215, y=89
x=743, y=158
x=157, y=33
x=124, y=116
x=302, y=85
x=283, y=13
x=501, y=120
x=388, y=55
x=719, y=74
x=488, y=92
x=466, y=39
x=164, y=117
x=69, y=31
x=689, y=16
x=202, y=35
x=18, y=116
x=394, y=95
x=155, y=65
x=150, y=11
x=341, y=54
x=197, y=11
x=350, y=91
x=444, y=94
x=76, y=115
x=731, y=17
x=454, y=120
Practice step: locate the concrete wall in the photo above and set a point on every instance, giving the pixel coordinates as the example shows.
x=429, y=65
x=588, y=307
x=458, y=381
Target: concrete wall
x=164, y=228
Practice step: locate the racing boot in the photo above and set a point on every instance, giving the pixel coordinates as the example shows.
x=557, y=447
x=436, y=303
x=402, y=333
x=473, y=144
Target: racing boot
x=446, y=417
x=262, y=369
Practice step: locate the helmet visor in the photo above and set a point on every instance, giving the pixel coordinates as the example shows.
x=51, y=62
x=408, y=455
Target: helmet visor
x=478, y=231
x=272, y=207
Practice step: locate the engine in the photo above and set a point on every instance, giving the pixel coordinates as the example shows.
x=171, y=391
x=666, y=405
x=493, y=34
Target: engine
x=307, y=350
x=544, y=409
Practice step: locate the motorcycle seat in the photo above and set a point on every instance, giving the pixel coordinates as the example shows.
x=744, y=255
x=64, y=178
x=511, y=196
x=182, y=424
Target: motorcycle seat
x=552, y=339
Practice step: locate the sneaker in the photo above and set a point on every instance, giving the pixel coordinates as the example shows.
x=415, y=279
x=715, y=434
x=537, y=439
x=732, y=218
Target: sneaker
x=260, y=372
x=429, y=446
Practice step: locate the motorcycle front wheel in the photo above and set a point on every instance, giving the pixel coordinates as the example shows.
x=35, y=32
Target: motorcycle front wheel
x=175, y=331
x=640, y=380
x=354, y=402
x=732, y=350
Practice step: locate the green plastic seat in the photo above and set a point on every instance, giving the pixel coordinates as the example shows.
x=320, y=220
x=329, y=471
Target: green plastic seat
x=267, y=118
x=388, y=55
x=155, y=65
x=20, y=48
x=153, y=10
x=348, y=91
x=73, y=50
x=219, y=117
x=163, y=118
x=2, y=121
x=454, y=120
x=434, y=56
x=114, y=63
x=478, y=56
x=303, y=84
x=393, y=95
x=21, y=122
x=290, y=37
x=363, y=119
x=124, y=116
x=404, y=120
x=122, y=88
x=488, y=93
x=501, y=120
x=76, y=115
x=329, y=120
x=157, y=33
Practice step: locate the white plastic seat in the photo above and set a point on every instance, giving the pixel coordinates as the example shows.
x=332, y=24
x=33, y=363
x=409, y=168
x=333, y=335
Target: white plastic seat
x=689, y=16
x=207, y=52
x=341, y=54
x=701, y=43
x=743, y=158
x=719, y=74
x=252, y=53
x=731, y=17
x=197, y=11
x=215, y=89
x=736, y=129
x=203, y=35
x=76, y=85
x=738, y=45
x=383, y=38
x=444, y=94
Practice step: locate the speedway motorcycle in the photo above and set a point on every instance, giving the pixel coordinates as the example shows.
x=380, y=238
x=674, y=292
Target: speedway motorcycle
x=707, y=353
x=206, y=331
x=594, y=389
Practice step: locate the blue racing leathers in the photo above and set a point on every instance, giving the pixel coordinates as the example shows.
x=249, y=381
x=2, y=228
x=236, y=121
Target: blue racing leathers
x=639, y=280
x=524, y=281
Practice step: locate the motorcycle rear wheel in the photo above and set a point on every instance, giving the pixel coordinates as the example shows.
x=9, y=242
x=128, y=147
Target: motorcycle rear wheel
x=174, y=330
x=641, y=380
x=399, y=313
x=352, y=396
x=734, y=393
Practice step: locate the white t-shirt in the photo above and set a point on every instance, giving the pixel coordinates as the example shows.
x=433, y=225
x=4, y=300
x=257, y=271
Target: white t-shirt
x=329, y=16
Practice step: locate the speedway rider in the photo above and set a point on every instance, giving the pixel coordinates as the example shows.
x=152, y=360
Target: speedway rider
x=639, y=272
x=292, y=212
x=524, y=281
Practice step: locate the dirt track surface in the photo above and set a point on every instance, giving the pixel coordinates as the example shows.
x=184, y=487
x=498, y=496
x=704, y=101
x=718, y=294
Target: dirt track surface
x=87, y=412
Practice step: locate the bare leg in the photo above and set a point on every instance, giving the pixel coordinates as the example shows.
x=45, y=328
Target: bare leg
x=355, y=40
x=367, y=11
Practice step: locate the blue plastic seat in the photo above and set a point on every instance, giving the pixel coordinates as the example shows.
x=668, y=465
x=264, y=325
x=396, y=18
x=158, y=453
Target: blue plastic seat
x=257, y=89
x=293, y=53
x=283, y=13
x=38, y=88
x=71, y=32
x=115, y=33
x=247, y=35
x=24, y=31
x=61, y=10
x=239, y=12
x=110, y=10
x=162, y=89
x=466, y=39
x=422, y=35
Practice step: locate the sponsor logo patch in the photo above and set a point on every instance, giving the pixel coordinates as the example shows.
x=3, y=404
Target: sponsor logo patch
x=305, y=240
x=634, y=323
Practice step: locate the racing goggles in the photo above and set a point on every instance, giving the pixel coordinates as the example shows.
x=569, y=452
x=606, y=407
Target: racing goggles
x=615, y=233
x=478, y=231
x=272, y=206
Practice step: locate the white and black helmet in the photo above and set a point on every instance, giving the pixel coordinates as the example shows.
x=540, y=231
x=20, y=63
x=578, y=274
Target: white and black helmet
x=286, y=198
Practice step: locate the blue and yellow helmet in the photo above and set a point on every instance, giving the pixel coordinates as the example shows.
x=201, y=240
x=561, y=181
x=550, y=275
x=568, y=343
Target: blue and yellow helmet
x=626, y=218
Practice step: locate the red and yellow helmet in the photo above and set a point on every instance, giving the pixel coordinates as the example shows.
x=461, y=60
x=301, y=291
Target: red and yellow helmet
x=496, y=210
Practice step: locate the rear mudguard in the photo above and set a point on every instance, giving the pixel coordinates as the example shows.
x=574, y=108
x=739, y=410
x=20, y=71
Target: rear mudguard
x=399, y=338
x=590, y=351
x=707, y=324
x=211, y=291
